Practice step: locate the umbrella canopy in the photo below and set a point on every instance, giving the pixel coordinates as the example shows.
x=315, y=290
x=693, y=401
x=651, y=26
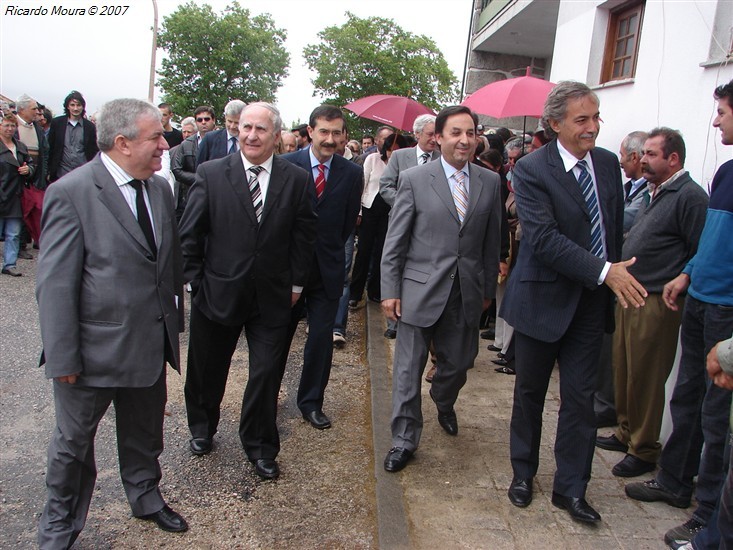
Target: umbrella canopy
x=397, y=111
x=523, y=96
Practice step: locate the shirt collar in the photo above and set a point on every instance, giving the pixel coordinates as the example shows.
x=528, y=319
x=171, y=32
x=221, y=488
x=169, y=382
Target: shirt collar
x=315, y=162
x=116, y=171
x=267, y=165
x=420, y=152
x=450, y=170
x=569, y=160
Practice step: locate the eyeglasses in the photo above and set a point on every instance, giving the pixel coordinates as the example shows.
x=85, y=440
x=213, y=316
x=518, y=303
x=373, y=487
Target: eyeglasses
x=203, y=119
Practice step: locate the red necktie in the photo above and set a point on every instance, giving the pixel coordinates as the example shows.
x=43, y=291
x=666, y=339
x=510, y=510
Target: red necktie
x=321, y=180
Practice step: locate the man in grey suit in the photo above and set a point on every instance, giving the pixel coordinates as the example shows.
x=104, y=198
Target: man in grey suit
x=570, y=204
x=402, y=159
x=439, y=272
x=110, y=297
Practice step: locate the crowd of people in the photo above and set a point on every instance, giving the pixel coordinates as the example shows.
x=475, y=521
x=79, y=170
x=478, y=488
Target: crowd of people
x=261, y=225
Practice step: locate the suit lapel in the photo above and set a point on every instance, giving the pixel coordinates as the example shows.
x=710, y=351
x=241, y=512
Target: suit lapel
x=155, y=195
x=604, y=183
x=237, y=178
x=111, y=196
x=567, y=180
x=475, y=188
x=441, y=186
x=277, y=183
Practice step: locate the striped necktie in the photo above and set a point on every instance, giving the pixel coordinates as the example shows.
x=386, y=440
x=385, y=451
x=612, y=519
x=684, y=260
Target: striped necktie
x=424, y=158
x=321, y=180
x=255, y=191
x=591, y=200
x=460, y=196
x=233, y=146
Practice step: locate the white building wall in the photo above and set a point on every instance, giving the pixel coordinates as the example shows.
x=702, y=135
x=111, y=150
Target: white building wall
x=669, y=89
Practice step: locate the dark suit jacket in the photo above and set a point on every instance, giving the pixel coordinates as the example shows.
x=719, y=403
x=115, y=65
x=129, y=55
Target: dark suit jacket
x=229, y=259
x=56, y=136
x=106, y=306
x=555, y=263
x=337, y=211
x=215, y=145
x=40, y=178
x=183, y=163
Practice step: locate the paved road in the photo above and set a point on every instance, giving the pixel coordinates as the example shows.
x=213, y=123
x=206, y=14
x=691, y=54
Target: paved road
x=333, y=492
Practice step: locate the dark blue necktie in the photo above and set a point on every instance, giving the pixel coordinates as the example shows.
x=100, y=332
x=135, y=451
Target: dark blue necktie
x=591, y=200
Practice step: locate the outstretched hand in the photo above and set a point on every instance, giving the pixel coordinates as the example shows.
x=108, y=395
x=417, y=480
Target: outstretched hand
x=626, y=288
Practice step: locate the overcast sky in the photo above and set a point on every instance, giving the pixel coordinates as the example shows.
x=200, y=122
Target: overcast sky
x=106, y=57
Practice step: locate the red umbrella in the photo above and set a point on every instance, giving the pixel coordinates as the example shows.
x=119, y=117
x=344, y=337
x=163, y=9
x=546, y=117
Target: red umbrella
x=397, y=111
x=523, y=96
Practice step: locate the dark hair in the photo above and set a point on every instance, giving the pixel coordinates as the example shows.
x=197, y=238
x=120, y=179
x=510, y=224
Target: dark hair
x=205, y=109
x=504, y=133
x=493, y=157
x=80, y=98
x=541, y=137
x=329, y=112
x=451, y=111
x=47, y=114
x=495, y=141
x=725, y=91
x=367, y=136
x=673, y=142
x=165, y=106
x=389, y=144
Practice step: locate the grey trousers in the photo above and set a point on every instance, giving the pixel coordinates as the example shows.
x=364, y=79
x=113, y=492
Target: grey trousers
x=72, y=471
x=456, y=348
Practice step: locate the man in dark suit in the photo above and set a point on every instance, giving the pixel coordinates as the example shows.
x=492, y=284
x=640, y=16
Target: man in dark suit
x=220, y=143
x=247, y=236
x=335, y=187
x=570, y=204
x=72, y=139
x=110, y=298
x=439, y=272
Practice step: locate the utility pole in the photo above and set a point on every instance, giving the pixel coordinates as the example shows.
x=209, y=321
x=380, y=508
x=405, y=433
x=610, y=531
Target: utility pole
x=151, y=86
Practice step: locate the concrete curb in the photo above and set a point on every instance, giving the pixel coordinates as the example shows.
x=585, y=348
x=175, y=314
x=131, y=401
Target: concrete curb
x=392, y=522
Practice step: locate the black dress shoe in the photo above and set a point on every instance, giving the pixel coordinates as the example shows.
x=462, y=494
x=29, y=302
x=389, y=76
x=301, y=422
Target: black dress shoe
x=168, y=520
x=397, y=458
x=447, y=420
x=501, y=362
x=578, y=508
x=492, y=347
x=201, y=445
x=318, y=420
x=266, y=468
x=611, y=443
x=488, y=335
x=632, y=466
x=520, y=492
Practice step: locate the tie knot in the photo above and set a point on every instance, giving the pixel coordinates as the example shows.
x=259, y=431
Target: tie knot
x=322, y=169
x=582, y=165
x=137, y=185
x=459, y=176
x=256, y=170
x=424, y=157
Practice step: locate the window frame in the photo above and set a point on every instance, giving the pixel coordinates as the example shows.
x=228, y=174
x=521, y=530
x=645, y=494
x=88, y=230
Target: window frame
x=618, y=16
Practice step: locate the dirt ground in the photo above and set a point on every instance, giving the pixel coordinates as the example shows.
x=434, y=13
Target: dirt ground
x=324, y=498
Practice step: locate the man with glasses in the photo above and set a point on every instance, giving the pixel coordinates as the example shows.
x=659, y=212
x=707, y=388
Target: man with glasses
x=221, y=143
x=183, y=162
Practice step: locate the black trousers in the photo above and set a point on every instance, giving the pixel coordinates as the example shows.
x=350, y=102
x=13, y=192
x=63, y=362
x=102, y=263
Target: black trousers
x=372, y=232
x=210, y=351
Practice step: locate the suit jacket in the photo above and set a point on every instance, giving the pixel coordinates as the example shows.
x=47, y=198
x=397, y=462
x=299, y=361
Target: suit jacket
x=107, y=308
x=215, y=145
x=40, y=178
x=401, y=160
x=337, y=211
x=426, y=245
x=230, y=260
x=11, y=182
x=56, y=139
x=555, y=263
x=183, y=163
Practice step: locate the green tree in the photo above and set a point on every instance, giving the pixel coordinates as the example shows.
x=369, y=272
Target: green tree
x=212, y=58
x=372, y=56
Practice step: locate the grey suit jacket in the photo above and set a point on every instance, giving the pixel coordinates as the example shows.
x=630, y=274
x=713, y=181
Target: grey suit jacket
x=426, y=245
x=106, y=305
x=401, y=160
x=555, y=264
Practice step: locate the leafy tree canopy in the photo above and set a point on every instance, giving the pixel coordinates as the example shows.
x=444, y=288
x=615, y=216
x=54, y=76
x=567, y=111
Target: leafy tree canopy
x=372, y=56
x=215, y=58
